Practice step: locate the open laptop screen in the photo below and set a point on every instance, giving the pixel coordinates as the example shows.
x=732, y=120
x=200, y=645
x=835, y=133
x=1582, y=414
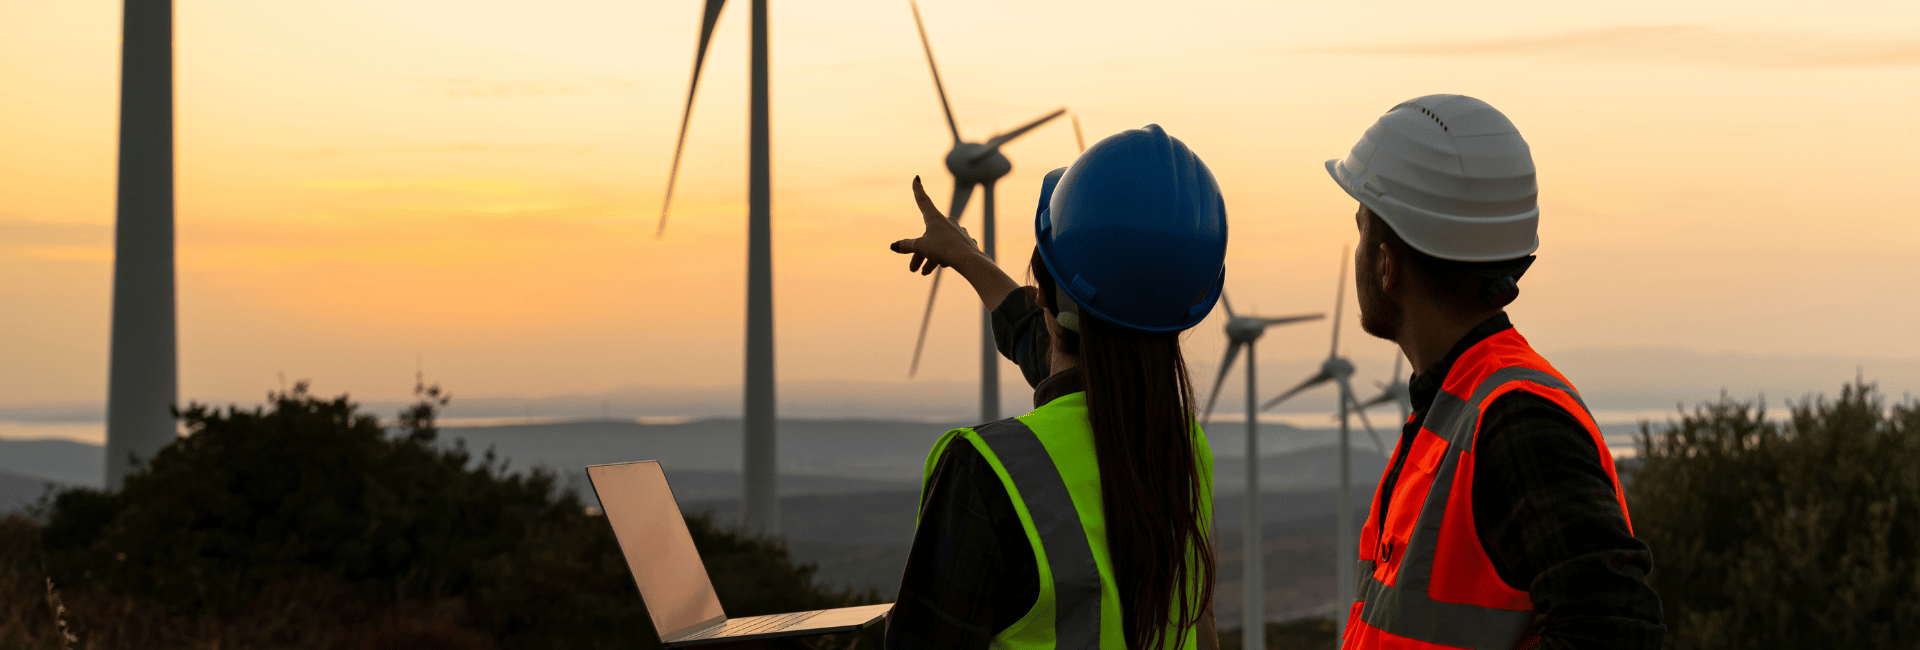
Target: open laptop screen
x=659, y=550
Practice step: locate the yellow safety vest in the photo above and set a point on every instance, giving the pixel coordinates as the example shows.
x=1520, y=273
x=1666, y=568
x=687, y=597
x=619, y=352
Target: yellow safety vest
x=1046, y=461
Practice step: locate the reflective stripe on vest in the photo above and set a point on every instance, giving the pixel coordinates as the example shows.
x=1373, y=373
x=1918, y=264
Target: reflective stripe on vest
x=1076, y=578
x=1405, y=609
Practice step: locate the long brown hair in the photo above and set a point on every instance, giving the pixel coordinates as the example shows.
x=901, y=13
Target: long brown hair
x=1139, y=403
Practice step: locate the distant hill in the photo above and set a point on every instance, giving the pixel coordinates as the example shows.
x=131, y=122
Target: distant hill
x=814, y=456
x=865, y=449
x=61, y=461
x=17, y=492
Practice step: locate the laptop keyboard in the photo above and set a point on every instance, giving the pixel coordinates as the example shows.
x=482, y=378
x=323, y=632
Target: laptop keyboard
x=754, y=625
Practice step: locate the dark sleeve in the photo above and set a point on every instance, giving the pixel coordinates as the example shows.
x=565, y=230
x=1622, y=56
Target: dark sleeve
x=1020, y=331
x=1547, y=516
x=971, y=571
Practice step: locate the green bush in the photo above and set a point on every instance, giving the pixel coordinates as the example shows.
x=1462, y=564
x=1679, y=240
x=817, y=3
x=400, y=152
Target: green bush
x=1796, y=534
x=310, y=492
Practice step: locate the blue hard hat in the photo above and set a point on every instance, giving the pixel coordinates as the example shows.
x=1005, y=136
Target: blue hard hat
x=1135, y=232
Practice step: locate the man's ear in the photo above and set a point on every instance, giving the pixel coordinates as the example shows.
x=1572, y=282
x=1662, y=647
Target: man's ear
x=1386, y=269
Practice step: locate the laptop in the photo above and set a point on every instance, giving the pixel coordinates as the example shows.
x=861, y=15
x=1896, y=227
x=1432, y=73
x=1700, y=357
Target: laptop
x=673, y=581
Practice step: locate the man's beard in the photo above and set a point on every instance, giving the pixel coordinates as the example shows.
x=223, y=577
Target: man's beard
x=1378, y=316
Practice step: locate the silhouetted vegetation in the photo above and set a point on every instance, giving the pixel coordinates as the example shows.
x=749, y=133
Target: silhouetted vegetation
x=1796, y=534
x=308, y=524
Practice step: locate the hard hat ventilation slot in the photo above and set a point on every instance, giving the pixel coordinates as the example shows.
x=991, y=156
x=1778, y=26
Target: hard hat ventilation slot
x=1436, y=118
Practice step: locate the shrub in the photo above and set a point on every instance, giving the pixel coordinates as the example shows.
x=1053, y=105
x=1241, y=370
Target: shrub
x=309, y=505
x=1796, y=534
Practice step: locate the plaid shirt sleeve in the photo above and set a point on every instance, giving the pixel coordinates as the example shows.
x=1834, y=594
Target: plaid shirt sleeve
x=1020, y=333
x=971, y=571
x=1547, y=517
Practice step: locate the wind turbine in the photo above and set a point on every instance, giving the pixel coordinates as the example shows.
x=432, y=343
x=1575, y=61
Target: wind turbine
x=143, y=367
x=1242, y=331
x=971, y=163
x=759, y=512
x=1393, y=391
x=1338, y=369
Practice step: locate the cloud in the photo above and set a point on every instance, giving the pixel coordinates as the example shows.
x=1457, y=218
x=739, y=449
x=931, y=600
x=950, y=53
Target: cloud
x=1671, y=44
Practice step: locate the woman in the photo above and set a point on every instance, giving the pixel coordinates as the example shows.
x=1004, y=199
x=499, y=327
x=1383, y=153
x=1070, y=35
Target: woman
x=1082, y=524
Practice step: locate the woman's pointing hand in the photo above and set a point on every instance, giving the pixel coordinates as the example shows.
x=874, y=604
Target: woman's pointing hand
x=943, y=244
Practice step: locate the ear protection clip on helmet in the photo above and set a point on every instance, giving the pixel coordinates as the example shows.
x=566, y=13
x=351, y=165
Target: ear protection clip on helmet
x=1066, y=312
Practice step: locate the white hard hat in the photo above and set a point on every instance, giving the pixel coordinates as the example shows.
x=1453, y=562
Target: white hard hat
x=1451, y=175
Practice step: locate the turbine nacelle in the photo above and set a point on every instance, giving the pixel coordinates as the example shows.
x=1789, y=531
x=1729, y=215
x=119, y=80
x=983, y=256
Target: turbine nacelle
x=1242, y=329
x=974, y=162
x=1338, y=368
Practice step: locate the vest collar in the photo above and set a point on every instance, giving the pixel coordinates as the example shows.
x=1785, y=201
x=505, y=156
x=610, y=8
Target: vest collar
x=1425, y=386
x=1061, y=384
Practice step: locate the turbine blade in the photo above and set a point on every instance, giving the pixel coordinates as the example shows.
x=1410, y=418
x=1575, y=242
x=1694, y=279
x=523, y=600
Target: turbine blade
x=1385, y=397
x=937, y=86
x=1224, y=302
x=993, y=144
x=1396, y=366
x=1233, y=352
x=708, y=19
x=925, y=320
x=1346, y=392
x=1339, y=300
x=1077, y=138
x=1269, y=322
x=1318, y=378
x=961, y=192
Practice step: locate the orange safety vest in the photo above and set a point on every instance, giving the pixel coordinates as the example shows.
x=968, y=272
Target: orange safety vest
x=1425, y=582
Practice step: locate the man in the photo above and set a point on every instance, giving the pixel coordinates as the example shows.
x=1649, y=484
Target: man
x=1499, y=522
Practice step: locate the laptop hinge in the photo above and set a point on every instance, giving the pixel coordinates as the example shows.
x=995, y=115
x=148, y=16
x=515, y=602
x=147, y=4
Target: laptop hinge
x=696, y=628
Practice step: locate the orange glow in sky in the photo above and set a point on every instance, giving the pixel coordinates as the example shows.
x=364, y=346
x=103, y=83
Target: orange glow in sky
x=476, y=183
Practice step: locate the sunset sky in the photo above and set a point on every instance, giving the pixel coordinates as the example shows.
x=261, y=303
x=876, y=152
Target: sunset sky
x=476, y=184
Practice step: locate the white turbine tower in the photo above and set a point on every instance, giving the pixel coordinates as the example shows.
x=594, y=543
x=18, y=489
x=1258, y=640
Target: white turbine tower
x=142, y=372
x=1338, y=369
x=760, y=505
x=982, y=164
x=1242, y=331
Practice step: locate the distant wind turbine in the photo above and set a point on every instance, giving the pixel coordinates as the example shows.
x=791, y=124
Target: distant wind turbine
x=759, y=512
x=1338, y=369
x=981, y=164
x=143, y=366
x=1242, y=331
x=1394, y=391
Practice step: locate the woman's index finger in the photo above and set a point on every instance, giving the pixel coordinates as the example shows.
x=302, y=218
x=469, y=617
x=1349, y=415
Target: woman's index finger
x=927, y=209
